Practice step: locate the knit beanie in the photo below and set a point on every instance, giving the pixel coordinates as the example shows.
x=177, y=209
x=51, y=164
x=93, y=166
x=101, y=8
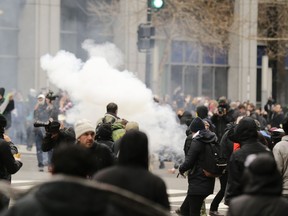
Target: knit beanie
x=246, y=129
x=196, y=125
x=104, y=131
x=82, y=127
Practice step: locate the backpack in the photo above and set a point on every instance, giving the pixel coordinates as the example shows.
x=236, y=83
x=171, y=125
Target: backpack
x=211, y=160
x=118, y=129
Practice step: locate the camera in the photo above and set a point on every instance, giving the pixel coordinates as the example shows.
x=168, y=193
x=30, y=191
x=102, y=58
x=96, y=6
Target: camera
x=50, y=95
x=41, y=124
x=222, y=107
x=50, y=126
x=221, y=110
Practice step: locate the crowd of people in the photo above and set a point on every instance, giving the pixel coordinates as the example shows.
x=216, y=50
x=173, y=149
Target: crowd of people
x=115, y=152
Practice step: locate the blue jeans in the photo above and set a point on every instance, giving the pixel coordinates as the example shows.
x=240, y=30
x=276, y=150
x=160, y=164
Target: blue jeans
x=39, y=134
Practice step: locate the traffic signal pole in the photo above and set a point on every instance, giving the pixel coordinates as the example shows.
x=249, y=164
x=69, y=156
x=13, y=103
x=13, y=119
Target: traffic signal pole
x=148, y=52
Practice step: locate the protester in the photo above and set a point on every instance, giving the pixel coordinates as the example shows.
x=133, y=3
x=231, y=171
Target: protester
x=199, y=185
x=280, y=152
x=41, y=115
x=277, y=116
x=222, y=116
x=56, y=136
x=104, y=135
x=246, y=134
x=117, y=124
x=262, y=189
x=85, y=136
x=132, y=174
x=227, y=148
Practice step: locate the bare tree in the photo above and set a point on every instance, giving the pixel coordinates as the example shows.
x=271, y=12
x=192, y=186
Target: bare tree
x=211, y=22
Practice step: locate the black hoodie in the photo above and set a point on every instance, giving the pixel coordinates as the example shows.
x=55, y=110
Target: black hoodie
x=199, y=184
x=132, y=171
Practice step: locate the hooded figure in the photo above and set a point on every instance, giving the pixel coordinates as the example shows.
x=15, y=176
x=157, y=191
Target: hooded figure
x=246, y=134
x=199, y=185
x=131, y=173
x=262, y=189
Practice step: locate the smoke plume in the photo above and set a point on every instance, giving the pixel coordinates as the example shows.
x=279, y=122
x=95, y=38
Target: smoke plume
x=96, y=82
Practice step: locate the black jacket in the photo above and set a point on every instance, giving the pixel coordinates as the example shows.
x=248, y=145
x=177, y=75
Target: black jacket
x=132, y=172
x=137, y=180
x=236, y=166
x=103, y=156
x=199, y=184
x=262, y=193
x=220, y=123
x=8, y=165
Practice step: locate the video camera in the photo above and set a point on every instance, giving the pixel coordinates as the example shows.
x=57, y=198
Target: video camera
x=50, y=126
x=50, y=95
x=222, y=108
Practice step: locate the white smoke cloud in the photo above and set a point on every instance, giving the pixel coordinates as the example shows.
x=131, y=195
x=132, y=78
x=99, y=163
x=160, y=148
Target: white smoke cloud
x=94, y=83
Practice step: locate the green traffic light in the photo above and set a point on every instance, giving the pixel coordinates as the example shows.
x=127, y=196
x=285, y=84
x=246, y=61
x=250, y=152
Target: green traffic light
x=157, y=4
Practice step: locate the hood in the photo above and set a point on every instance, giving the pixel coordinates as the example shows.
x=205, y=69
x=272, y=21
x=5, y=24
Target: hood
x=206, y=136
x=261, y=176
x=134, y=149
x=246, y=130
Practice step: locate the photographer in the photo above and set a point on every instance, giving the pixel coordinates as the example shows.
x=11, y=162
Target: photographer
x=44, y=111
x=222, y=117
x=56, y=135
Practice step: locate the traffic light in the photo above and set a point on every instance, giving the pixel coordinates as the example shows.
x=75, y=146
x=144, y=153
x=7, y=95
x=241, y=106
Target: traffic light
x=145, y=32
x=156, y=4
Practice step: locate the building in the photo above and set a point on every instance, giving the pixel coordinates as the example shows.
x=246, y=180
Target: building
x=31, y=28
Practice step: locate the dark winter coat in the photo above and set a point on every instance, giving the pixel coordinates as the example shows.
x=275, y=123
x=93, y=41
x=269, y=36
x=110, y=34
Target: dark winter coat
x=137, y=180
x=276, y=120
x=8, y=165
x=262, y=191
x=199, y=184
x=132, y=174
x=103, y=156
x=236, y=166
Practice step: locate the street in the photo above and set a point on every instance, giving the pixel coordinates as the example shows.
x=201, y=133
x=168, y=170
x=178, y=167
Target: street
x=177, y=187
